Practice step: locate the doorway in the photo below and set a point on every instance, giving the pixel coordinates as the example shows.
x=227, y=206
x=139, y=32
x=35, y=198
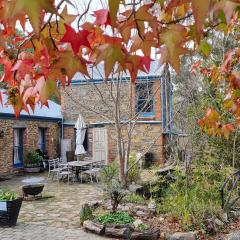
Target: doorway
x=18, y=147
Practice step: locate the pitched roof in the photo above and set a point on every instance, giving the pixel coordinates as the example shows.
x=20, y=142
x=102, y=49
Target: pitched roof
x=53, y=112
x=97, y=74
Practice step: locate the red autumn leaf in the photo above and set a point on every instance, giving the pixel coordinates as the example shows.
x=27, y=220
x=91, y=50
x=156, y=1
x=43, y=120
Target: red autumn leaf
x=146, y=63
x=75, y=39
x=23, y=67
x=102, y=17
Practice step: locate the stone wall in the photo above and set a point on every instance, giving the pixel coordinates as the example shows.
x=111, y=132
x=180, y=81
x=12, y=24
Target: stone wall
x=88, y=98
x=144, y=136
x=30, y=139
x=95, y=104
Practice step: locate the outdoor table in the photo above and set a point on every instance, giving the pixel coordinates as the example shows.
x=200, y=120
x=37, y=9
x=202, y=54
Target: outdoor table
x=78, y=164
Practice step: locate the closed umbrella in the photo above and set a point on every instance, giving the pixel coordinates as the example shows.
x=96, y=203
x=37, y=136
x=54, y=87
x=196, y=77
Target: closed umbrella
x=80, y=135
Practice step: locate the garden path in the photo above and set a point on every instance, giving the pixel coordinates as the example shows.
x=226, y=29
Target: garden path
x=55, y=217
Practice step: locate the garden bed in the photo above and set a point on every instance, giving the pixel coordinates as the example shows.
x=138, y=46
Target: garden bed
x=145, y=224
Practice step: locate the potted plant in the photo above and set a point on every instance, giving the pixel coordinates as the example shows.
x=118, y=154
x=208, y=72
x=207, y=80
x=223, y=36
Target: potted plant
x=10, y=204
x=32, y=165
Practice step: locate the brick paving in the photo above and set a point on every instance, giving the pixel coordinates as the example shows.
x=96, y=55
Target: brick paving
x=56, y=216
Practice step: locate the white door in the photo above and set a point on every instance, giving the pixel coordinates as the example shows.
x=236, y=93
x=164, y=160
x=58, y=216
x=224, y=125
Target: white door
x=100, y=144
x=65, y=146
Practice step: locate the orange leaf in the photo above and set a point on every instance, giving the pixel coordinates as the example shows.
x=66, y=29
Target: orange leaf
x=173, y=39
x=227, y=129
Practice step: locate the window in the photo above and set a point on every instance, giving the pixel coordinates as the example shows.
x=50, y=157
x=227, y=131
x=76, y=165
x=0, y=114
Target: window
x=42, y=139
x=144, y=99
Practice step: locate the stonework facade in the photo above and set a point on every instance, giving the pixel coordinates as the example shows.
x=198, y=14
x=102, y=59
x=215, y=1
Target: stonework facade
x=96, y=105
x=30, y=128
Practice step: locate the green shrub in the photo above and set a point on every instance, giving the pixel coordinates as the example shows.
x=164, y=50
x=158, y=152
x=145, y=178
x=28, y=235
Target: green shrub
x=6, y=195
x=116, y=218
x=111, y=185
x=134, y=172
x=134, y=198
x=197, y=203
x=86, y=213
x=109, y=173
x=33, y=158
x=142, y=227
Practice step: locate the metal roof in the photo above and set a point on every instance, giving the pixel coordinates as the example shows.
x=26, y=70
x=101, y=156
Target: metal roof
x=41, y=112
x=97, y=74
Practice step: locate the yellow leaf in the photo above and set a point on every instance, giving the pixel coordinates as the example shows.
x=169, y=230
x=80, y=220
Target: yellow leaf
x=34, y=10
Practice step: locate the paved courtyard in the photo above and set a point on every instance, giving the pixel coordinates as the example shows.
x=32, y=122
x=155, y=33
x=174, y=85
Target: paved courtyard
x=56, y=216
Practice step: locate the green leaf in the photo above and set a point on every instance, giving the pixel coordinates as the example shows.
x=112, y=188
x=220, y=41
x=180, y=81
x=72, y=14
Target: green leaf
x=113, y=7
x=205, y=48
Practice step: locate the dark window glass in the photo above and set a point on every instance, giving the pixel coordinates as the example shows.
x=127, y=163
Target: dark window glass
x=144, y=98
x=42, y=139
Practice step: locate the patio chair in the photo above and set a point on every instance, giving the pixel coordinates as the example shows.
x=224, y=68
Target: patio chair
x=53, y=167
x=66, y=171
x=92, y=170
x=97, y=168
x=87, y=170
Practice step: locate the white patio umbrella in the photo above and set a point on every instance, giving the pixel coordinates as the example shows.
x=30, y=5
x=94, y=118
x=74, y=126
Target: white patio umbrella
x=80, y=135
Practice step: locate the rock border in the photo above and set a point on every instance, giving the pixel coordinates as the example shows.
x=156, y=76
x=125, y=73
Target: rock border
x=120, y=231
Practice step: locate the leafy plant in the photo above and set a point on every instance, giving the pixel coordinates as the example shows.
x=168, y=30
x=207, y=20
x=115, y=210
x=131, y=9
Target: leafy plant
x=116, y=218
x=134, y=198
x=142, y=227
x=134, y=172
x=33, y=158
x=200, y=201
x=86, y=213
x=111, y=184
x=6, y=195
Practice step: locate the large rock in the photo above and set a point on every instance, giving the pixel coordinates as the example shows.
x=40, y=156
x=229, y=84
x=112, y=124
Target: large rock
x=233, y=236
x=118, y=231
x=146, y=235
x=182, y=236
x=135, y=188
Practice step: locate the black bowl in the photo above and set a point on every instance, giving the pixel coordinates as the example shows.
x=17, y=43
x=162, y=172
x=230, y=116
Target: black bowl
x=33, y=189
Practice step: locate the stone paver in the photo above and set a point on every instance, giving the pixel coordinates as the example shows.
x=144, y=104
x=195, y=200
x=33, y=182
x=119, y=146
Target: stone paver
x=31, y=231
x=56, y=216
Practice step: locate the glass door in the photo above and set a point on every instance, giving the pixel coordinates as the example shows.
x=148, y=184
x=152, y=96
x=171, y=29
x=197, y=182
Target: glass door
x=18, y=142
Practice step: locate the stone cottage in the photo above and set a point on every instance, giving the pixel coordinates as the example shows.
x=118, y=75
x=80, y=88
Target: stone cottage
x=146, y=103
x=40, y=130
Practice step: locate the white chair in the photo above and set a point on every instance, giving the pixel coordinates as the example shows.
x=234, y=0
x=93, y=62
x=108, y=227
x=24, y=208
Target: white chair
x=97, y=168
x=92, y=170
x=87, y=170
x=66, y=171
x=53, y=167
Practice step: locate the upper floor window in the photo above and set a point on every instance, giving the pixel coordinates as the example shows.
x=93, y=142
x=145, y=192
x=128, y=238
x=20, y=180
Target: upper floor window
x=144, y=99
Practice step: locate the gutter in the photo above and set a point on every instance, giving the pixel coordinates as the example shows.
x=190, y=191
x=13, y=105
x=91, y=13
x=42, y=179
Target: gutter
x=29, y=117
